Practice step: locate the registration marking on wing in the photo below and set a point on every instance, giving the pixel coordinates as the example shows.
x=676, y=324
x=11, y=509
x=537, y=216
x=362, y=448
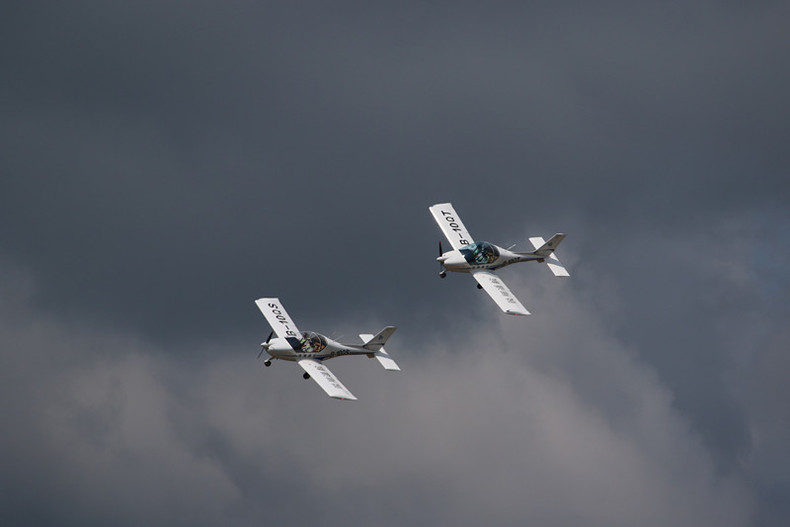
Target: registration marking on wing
x=277, y=317
x=326, y=380
x=500, y=293
x=450, y=224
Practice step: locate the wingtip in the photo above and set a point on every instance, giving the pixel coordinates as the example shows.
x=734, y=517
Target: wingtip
x=265, y=299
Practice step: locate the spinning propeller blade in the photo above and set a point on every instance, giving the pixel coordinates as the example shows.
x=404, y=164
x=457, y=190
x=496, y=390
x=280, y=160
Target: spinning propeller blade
x=442, y=272
x=267, y=341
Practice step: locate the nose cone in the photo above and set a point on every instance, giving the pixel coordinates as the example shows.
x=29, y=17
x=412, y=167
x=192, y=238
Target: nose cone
x=453, y=260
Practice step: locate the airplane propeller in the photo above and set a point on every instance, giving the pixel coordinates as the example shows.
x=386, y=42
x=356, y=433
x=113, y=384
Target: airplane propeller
x=442, y=272
x=264, y=345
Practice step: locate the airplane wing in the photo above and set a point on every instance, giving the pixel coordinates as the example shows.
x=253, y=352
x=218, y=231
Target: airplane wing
x=451, y=225
x=497, y=290
x=277, y=318
x=326, y=380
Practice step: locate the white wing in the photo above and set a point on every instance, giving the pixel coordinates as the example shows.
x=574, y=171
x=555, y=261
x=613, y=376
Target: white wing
x=381, y=354
x=278, y=319
x=497, y=290
x=451, y=225
x=326, y=380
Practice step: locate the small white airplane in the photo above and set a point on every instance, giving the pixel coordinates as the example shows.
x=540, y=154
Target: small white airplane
x=481, y=259
x=310, y=349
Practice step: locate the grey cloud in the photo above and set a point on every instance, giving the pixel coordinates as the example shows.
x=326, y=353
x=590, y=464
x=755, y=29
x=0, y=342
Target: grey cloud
x=163, y=166
x=486, y=423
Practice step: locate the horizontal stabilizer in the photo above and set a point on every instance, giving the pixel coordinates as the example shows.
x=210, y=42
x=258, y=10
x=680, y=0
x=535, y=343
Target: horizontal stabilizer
x=556, y=267
x=546, y=248
x=386, y=361
x=381, y=354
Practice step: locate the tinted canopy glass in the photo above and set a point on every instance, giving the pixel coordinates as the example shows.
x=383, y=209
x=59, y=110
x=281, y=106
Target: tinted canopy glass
x=312, y=342
x=480, y=253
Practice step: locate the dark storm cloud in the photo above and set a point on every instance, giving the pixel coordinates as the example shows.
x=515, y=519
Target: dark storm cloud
x=166, y=163
x=155, y=144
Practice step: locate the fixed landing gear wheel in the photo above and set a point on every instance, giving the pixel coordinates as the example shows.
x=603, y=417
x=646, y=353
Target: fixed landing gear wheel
x=267, y=363
x=306, y=375
x=443, y=274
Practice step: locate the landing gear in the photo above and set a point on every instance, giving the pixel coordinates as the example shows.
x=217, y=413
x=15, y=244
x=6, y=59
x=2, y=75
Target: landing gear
x=267, y=363
x=479, y=286
x=306, y=375
x=442, y=274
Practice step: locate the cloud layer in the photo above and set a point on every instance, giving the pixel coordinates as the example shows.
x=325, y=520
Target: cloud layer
x=500, y=421
x=164, y=164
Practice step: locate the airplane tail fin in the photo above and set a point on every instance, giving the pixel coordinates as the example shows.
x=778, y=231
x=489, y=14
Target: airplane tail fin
x=375, y=343
x=543, y=248
x=546, y=248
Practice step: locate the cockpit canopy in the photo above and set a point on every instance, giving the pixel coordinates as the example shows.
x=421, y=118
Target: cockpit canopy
x=312, y=342
x=480, y=253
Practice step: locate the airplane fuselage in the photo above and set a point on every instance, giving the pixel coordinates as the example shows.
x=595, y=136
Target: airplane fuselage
x=482, y=256
x=310, y=346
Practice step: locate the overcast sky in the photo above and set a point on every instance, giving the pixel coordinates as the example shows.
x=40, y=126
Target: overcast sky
x=163, y=164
